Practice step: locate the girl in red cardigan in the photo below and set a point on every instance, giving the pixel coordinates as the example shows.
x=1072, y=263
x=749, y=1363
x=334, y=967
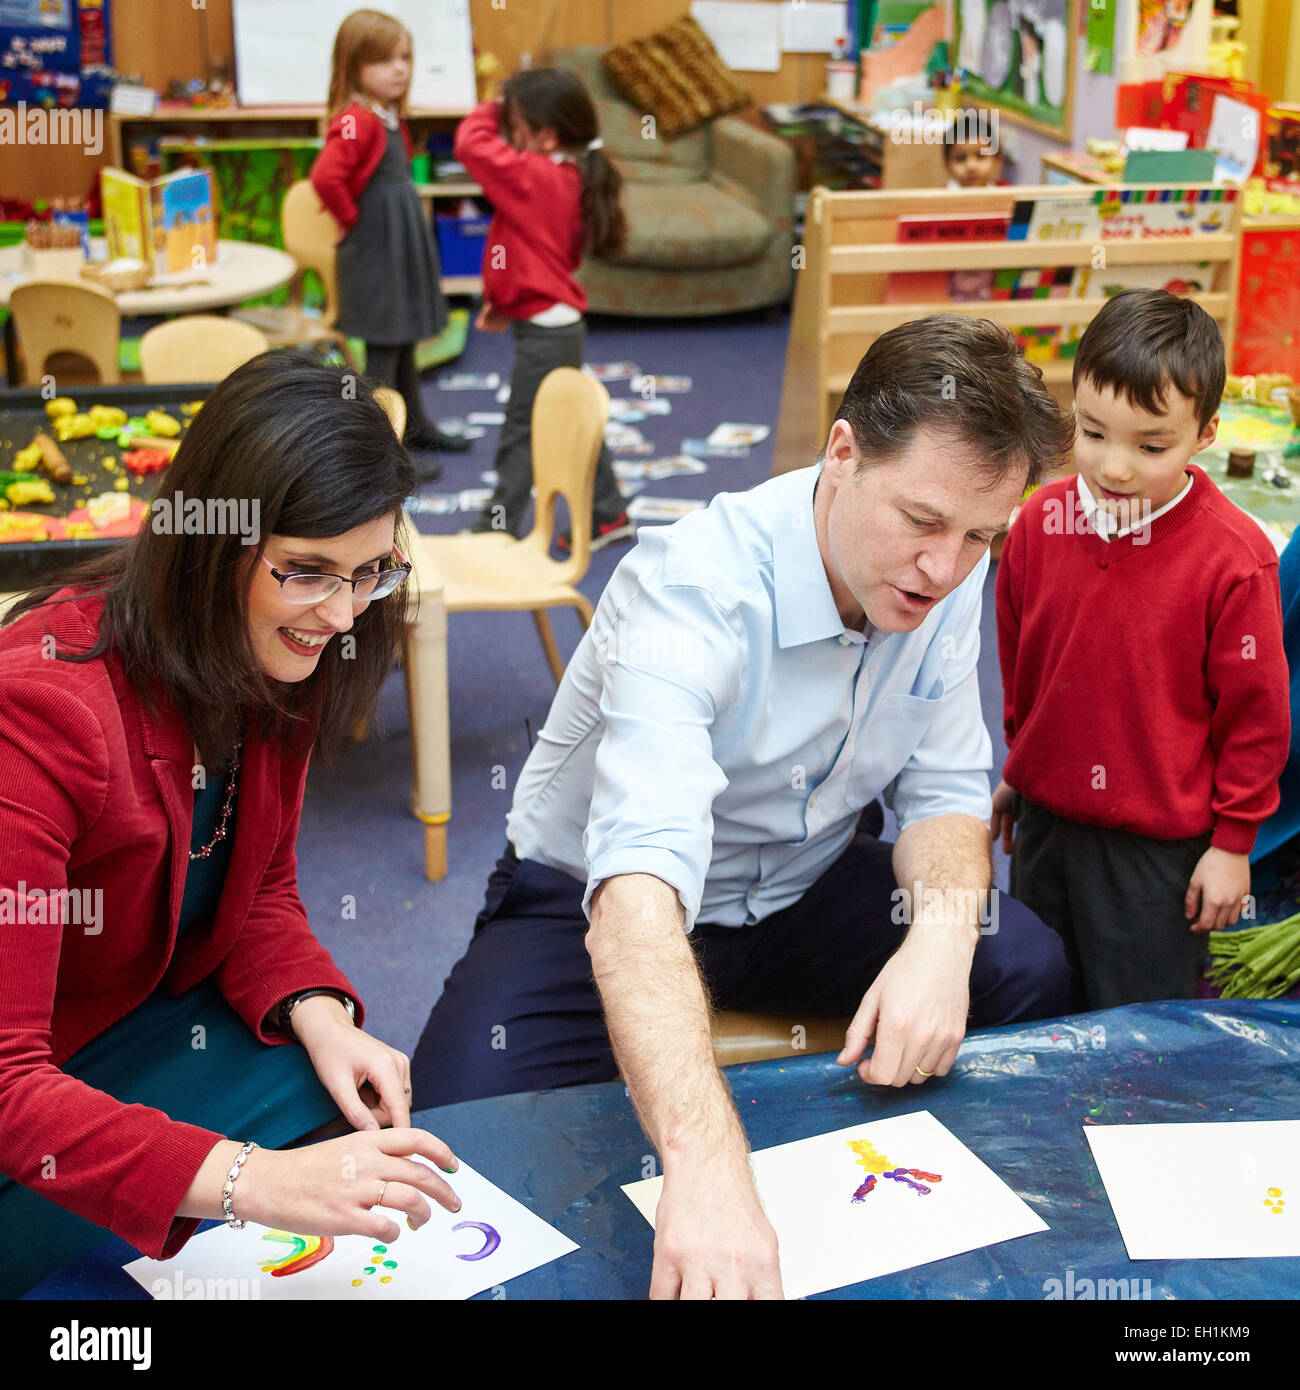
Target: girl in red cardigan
x=157, y=712
x=538, y=155
x=390, y=291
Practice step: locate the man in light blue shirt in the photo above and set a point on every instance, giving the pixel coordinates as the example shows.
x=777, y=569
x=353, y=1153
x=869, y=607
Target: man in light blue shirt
x=696, y=818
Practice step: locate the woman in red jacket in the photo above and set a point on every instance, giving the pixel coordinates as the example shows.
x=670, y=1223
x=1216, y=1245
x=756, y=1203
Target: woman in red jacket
x=157, y=712
x=390, y=291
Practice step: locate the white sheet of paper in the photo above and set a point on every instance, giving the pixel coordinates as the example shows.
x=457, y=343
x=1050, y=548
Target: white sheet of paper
x=746, y=35
x=425, y=1264
x=642, y=510
x=1145, y=137
x=1234, y=132
x=814, y=26
x=1202, y=1191
x=829, y=1240
x=732, y=432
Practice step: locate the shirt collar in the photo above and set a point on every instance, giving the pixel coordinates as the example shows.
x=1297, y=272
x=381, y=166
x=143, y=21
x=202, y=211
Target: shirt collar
x=805, y=607
x=1100, y=519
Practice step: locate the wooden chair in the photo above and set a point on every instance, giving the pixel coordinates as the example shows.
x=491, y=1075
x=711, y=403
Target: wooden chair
x=66, y=316
x=745, y=1037
x=198, y=347
x=311, y=237
x=494, y=571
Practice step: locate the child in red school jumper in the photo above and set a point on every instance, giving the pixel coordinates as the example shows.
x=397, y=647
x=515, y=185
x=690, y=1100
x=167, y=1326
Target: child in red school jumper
x=538, y=156
x=390, y=292
x=1145, y=688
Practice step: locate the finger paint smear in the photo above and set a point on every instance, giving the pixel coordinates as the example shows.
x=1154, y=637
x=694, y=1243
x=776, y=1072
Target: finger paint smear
x=878, y=1166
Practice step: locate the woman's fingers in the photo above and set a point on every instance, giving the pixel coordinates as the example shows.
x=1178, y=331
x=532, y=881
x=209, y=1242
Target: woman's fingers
x=401, y=1196
x=390, y=1083
x=405, y=1170
x=418, y=1141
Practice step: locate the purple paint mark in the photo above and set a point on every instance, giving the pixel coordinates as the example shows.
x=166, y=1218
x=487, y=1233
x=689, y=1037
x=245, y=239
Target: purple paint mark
x=861, y=1194
x=490, y=1239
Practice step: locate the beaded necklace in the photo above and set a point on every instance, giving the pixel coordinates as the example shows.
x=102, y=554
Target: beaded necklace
x=232, y=780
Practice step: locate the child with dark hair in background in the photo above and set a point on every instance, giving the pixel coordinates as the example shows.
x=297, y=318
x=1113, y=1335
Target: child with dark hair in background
x=538, y=156
x=390, y=292
x=1145, y=687
x=972, y=158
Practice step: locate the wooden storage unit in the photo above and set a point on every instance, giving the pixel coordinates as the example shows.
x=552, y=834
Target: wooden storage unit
x=851, y=247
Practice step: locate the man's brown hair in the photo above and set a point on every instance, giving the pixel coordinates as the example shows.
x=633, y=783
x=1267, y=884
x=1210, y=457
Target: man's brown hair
x=1144, y=341
x=966, y=379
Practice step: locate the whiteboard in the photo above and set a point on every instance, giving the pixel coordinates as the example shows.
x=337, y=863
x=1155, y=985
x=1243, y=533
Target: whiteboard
x=283, y=48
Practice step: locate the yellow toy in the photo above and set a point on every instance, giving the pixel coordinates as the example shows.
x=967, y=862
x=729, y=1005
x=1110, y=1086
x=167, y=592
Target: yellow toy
x=27, y=459
x=73, y=427
x=160, y=423
x=60, y=405
x=107, y=416
x=23, y=494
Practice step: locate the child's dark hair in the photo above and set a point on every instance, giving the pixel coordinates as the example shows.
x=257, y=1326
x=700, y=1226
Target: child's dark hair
x=556, y=99
x=1142, y=341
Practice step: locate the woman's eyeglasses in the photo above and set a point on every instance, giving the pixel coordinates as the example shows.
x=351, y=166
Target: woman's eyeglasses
x=316, y=588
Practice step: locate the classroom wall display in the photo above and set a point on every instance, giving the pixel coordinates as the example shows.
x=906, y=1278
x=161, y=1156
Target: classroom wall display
x=1019, y=55
x=267, y=31
x=55, y=52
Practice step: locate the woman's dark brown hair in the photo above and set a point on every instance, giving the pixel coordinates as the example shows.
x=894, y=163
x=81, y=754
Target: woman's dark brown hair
x=317, y=453
x=556, y=99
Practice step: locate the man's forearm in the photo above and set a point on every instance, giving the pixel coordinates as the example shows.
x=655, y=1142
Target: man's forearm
x=657, y=1014
x=945, y=866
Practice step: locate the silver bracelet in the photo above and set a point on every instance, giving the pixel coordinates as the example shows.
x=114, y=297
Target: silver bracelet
x=228, y=1191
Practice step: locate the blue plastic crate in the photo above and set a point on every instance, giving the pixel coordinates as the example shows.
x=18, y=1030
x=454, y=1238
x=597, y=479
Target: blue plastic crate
x=461, y=241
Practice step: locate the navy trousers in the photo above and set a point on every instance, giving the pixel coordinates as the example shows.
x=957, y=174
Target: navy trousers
x=520, y=1011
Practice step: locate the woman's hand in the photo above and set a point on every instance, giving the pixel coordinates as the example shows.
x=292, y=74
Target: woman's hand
x=491, y=319
x=345, y=1059
x=337, y=1187
x=1004, y=815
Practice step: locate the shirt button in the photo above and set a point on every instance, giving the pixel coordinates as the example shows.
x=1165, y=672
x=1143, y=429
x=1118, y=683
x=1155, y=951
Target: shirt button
x=844, y=639
x=812, y=800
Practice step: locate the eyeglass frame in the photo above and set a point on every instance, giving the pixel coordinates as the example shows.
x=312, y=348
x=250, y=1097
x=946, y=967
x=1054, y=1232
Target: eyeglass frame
x=403, y=564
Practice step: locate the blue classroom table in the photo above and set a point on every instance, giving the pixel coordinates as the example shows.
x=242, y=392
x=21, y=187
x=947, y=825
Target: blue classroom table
x=1019, y=1097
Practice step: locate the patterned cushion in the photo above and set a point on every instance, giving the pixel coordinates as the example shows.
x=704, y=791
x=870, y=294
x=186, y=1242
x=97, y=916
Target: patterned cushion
x=675, y=76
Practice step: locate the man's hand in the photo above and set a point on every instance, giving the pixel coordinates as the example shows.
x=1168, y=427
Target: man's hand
x=1217, y=887
x=916, y=1010
x=712, y=1239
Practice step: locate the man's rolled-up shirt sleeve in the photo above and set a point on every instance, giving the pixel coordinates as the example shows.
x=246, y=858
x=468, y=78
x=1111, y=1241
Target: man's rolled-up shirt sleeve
x=947, y=773
x=670, y=662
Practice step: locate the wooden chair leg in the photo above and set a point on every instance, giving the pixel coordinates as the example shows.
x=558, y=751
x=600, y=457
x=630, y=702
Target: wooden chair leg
x=548, y=644
x=435, y=852
x=584, y=610
x=359, y=730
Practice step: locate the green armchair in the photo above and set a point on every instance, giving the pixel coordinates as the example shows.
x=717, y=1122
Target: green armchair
x=710, y=214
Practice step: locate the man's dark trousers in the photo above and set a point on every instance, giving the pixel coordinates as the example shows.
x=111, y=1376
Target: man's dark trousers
x=520, y=1011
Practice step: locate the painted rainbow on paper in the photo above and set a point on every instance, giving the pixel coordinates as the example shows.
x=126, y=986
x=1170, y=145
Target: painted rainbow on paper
x=307, y=1251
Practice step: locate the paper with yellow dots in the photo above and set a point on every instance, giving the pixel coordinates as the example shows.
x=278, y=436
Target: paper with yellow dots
x=1202, y=1191
x=873, y=1199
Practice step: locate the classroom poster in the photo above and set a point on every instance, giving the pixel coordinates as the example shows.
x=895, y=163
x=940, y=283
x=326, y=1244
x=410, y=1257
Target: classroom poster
x=1018, y=55
x=55, y=52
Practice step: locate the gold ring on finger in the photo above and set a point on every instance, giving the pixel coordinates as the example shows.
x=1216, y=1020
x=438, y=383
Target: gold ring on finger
x=921, y=1071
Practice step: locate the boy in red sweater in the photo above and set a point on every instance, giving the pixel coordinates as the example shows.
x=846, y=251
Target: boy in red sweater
x=1145, y=688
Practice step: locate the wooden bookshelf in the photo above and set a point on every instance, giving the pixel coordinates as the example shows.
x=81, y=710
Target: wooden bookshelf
x=851, y=248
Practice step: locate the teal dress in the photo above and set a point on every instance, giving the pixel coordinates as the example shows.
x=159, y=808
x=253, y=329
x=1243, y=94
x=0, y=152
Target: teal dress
x=234, y=1083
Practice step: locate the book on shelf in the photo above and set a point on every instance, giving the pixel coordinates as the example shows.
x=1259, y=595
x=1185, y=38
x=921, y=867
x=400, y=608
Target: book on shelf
x=1127, y=214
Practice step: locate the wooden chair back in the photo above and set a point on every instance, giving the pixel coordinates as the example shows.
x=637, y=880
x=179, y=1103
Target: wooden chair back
x=311, y=238
x=569, y=415
x=66, y=316
x=198, y=347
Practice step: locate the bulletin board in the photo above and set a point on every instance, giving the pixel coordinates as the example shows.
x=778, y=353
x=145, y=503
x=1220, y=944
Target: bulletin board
x=283, y=50
x=55, y=52
x=1019, y=55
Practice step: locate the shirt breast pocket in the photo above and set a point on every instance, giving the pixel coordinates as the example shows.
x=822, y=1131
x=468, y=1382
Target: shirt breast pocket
x=887, y=740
